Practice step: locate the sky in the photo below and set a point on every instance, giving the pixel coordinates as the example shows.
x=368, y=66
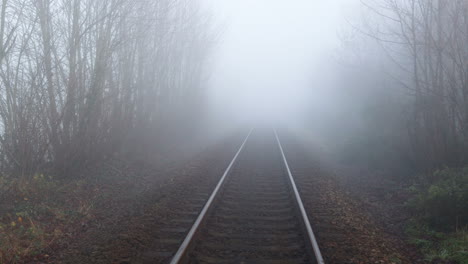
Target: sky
x=272, y=54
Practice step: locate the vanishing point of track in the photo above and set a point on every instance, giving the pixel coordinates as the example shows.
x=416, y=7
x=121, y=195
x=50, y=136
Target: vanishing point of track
x=255, y=213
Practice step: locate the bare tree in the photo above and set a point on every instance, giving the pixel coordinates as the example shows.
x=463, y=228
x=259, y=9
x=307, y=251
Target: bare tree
x=432, y=35
x=80, y=77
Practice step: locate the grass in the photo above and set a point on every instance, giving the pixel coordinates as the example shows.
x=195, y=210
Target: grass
x=438, y=246
x=36, y=213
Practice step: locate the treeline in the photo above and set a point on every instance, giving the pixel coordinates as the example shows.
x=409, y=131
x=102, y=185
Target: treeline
x=406, y=74
x=419, y=62
x=81, y=77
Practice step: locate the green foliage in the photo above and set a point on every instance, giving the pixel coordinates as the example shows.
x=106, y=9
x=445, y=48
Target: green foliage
x=440, y=225
x=437, y=245
x=443, y=203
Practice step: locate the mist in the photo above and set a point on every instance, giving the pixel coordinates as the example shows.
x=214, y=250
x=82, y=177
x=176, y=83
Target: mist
x=233, y=131
x=274, y=59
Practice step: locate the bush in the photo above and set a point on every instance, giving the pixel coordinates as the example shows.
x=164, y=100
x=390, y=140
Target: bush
x=439, y=247
x=443, y=203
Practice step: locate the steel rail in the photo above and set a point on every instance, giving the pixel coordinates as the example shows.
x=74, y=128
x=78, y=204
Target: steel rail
x=311, y=237
x=178, y=257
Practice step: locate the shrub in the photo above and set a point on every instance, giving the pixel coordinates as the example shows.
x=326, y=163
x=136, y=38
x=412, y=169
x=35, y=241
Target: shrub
x=443, y=203
x=439, y=247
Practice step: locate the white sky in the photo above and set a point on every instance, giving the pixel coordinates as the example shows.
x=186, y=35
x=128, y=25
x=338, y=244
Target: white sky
x=269, y=51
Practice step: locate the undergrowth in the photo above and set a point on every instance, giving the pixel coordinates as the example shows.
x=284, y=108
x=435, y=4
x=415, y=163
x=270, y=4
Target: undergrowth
x=439, y=246
x=37, y=212
x=440, y=223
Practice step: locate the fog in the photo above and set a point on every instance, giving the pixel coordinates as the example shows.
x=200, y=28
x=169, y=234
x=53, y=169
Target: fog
x=121, y=119
x=275, y=59
x=103, y=75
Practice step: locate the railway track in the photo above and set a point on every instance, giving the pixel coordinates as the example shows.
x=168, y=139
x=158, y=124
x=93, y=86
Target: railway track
x=254, y=215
